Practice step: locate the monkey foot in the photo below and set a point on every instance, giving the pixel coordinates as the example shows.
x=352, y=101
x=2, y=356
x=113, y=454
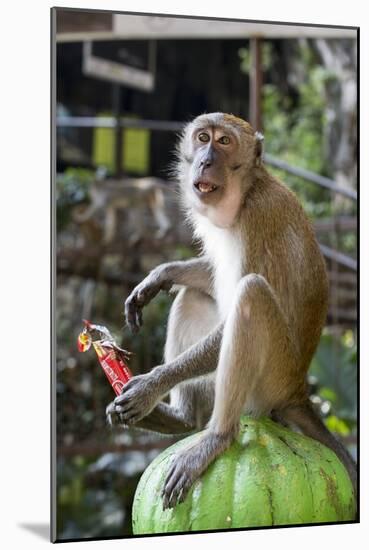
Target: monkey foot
x=188, y=466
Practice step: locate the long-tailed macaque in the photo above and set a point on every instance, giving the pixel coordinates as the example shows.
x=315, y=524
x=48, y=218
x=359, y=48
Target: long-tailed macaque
x=244, y=326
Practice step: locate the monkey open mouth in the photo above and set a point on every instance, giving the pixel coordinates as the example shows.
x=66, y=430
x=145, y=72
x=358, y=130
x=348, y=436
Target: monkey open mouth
x=204, y=186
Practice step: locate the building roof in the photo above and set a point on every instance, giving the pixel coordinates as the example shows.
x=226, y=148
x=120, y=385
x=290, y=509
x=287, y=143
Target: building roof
x=76, y=25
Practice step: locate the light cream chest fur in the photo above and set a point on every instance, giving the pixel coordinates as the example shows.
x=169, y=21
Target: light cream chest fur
x=226, y=254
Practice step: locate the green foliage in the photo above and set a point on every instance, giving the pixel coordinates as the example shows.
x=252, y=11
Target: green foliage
x=337, y=425
x=334, y=365
x=296, y=136
x=71, y=190
x=91, y=505
x=295, y=130
x=348, y=242
x=266, y=57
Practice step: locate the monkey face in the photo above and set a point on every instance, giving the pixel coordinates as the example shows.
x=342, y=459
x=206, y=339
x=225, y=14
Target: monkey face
x=217, y=152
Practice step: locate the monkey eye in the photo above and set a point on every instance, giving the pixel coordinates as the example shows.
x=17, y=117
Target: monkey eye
x=224, y=140
x=204, y=137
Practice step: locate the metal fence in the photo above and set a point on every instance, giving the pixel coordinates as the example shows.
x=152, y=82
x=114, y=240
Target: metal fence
x=174, y=126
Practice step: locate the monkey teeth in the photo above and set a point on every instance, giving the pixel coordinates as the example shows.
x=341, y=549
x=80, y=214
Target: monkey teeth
x=205, y=187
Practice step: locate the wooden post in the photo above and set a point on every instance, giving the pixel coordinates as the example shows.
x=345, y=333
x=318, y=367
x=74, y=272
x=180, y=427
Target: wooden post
x=255, y=83
x=117, y=131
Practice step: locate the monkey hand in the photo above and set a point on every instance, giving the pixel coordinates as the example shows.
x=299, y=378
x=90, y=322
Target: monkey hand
x=139, y=396
x=112, y=417
x=141, y=295
x=188, y=465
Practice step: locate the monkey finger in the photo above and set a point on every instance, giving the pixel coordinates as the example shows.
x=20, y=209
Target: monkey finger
x=130, y=314
x=112, y=414
x=169, y=483
x=123, y=404
x=133, y=313
x=109, y=419
x=123, y=410
x=170, y=480
x=129, y=306
x=121, y=396
x=183, y=493
x=125, y=396
x=172, y=491
x=110, y=408
x=139, y=317
x=132, y=418
x=129, y=408
x=166, y=496
x=129, y=399
x=178, y=487
x=112, y=419
x=124, y=390
x=128, y=405
x=170, y=472
x=135, y=388
x=141, y=296
x=133, y=326
x=128, y=418
x=173, y=499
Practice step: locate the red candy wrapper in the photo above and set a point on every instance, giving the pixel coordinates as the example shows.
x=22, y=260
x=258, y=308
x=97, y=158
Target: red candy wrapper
x=112, y=358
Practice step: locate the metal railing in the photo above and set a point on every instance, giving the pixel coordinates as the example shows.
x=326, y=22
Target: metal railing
x=113, y=122
x=338, y=257
x=322, y=181
x=173, y=126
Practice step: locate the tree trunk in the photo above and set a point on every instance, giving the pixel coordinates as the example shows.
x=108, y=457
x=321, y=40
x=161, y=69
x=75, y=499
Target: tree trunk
x=339, y=57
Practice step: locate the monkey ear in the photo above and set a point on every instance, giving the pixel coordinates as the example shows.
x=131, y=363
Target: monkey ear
x=259, y=148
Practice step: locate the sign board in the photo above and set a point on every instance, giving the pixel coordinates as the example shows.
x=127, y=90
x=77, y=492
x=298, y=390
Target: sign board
x=115, y=71
x=135, y=149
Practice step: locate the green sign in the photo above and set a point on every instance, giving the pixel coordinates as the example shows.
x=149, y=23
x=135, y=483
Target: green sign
x=135, y=149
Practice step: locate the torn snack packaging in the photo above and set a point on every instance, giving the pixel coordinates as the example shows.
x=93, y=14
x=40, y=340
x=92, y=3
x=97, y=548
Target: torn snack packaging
x=112, y=358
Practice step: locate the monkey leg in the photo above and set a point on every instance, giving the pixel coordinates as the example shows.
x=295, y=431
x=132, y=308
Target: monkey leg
x=257, y=372
x=259, y=367
x=193, y=315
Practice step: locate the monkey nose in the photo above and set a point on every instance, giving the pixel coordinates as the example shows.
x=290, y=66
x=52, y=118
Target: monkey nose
x=206, y=163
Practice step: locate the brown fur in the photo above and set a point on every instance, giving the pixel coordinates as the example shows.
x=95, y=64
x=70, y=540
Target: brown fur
x=281, y=246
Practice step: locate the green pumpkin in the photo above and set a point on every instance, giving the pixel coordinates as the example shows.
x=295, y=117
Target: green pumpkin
x=269, y=476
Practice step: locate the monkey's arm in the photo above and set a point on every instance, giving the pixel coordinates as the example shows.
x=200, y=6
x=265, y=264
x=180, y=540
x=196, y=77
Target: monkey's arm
x=194, y=273
x=198, y=360
x=141, y=393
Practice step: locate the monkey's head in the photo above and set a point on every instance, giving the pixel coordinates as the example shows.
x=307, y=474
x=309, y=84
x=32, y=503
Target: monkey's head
x=217, y=156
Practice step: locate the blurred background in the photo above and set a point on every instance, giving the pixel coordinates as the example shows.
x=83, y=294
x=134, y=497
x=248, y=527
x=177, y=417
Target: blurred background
x=125, y=86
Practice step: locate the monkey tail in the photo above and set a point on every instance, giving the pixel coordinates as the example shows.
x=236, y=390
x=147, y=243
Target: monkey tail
x=305, y=418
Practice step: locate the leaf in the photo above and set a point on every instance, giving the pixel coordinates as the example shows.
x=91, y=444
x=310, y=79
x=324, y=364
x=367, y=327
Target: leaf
x=337, y=425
